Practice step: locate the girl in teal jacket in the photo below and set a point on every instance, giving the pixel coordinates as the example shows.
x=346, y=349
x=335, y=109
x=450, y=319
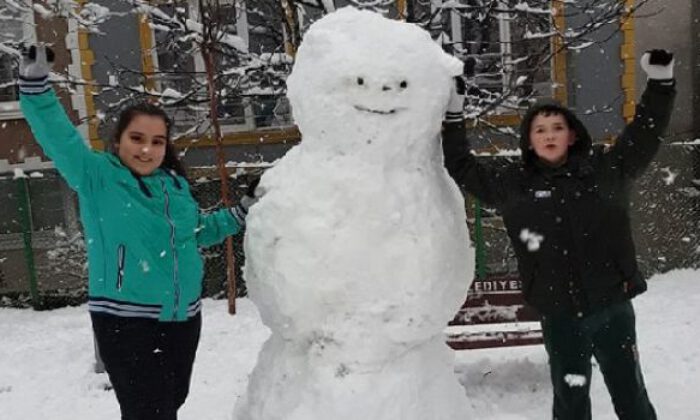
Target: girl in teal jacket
x=143, y=232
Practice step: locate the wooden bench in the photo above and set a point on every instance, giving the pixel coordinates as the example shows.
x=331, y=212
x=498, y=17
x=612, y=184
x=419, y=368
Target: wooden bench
x=494, y=315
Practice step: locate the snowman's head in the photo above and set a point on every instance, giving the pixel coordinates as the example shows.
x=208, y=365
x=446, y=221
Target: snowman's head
x=360, y=78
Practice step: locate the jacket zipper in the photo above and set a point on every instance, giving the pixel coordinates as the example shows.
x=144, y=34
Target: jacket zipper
x=176, y=282
x=121, y=256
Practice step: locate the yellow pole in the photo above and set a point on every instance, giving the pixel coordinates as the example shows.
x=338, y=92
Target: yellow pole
x=401, y=7
x=559, y=60
x=291, y=27
x=87, y=59
x=146, y=41
x=629, y=62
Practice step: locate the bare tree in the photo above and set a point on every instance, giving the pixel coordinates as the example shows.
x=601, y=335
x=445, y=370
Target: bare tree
x=508, y=46
x=210, y=71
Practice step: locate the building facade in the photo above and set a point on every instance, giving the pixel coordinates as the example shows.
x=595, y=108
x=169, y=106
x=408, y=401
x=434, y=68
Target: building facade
x=600, y=83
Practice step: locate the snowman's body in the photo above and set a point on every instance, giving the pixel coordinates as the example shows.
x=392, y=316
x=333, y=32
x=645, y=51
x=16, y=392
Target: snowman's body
x=358, y=254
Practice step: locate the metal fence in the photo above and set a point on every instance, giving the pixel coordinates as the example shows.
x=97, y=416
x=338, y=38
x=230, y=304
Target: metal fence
x=206, y=188
x=42, y=258
x=42, y=250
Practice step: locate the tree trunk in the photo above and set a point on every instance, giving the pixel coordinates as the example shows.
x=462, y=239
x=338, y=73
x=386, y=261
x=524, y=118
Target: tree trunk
x=210, y=67
x=291, y=26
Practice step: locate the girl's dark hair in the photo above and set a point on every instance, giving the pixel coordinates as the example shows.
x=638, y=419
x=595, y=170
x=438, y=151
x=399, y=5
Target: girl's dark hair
x=171, y=161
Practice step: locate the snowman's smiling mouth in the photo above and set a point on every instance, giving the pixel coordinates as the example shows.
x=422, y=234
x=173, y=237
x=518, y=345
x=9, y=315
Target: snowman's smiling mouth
x=375, y=111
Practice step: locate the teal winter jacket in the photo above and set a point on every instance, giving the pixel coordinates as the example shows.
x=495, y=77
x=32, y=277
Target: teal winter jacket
x=142, y=237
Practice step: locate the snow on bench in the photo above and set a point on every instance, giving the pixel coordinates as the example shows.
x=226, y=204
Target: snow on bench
x=494, y=315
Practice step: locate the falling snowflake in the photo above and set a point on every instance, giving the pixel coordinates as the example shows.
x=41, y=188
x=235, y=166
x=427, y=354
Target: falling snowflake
x=575, y=380
x=669, y=176
x=532, y=239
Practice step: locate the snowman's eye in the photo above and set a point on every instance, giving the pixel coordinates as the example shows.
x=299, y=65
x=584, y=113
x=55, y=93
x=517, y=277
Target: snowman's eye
x=360, y=81
x=403, y=84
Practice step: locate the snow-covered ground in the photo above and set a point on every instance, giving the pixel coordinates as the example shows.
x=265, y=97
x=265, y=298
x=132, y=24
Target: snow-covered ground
x=46, y=363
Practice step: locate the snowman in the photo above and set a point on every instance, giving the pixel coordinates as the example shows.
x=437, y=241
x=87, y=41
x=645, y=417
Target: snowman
x=358, y=254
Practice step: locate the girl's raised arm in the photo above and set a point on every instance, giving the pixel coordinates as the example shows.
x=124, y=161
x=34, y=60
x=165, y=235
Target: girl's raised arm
x=51, y=127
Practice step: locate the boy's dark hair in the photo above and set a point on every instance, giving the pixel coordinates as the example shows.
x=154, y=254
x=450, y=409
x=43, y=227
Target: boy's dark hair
x=171, y=161
x=547, y=110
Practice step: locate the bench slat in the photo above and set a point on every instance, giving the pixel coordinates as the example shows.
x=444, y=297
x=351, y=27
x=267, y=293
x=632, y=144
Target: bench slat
x=481, y=340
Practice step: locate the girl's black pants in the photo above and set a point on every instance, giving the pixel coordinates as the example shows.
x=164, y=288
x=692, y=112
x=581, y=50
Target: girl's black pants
x=149, y=362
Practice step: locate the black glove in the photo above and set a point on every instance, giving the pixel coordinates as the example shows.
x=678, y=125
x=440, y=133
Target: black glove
x=658, y=64
x=455, y=108
x=240, y=211
x=660, y=57
x=252, y=185
x=34, y=70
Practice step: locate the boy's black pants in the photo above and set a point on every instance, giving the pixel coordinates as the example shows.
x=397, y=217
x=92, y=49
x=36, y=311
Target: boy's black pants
x=610, y=336
x=149, y=362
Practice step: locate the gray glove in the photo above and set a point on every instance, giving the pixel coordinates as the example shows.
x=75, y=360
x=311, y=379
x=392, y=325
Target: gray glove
x=240, y=211
x=455, y=108
x=658, y=64
x=34, y=70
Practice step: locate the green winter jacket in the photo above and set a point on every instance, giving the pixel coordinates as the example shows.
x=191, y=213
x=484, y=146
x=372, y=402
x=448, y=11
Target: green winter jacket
x=142, y=243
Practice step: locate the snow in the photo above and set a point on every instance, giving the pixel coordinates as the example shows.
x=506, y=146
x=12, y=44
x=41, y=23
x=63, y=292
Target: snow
x=328, y=5
x=695, y=142
x=94, y=13
x=46, y=361
x=669, y=177
x=581, y=46
x=371, y=260
x=19, y=173
x=500, y=152
x=524, y=7
x=575, y=380
x=42, y=11
x=532, y=239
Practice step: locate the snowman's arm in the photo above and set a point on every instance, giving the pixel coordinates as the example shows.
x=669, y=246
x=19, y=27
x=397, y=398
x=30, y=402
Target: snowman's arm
x=472, y=176
x=216, y=226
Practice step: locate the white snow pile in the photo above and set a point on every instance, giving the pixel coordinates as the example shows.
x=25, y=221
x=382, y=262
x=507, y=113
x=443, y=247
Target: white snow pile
x=46, y=360
x=357, y=253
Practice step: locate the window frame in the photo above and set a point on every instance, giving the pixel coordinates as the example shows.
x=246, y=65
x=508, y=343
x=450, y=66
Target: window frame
x=9, y=110
x=505, y=37
x=242, y=30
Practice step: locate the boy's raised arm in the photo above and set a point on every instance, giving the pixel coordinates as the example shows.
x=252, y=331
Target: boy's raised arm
x=641, y=139
x=471, y=176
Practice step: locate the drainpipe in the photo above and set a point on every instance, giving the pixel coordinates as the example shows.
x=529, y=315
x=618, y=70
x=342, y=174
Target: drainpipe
x=480, y=250
x=695, y=60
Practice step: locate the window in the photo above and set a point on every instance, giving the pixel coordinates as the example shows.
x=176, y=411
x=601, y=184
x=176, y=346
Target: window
x=249, y=98
x=11, y=34
x=16, y=28
x=504, y=64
